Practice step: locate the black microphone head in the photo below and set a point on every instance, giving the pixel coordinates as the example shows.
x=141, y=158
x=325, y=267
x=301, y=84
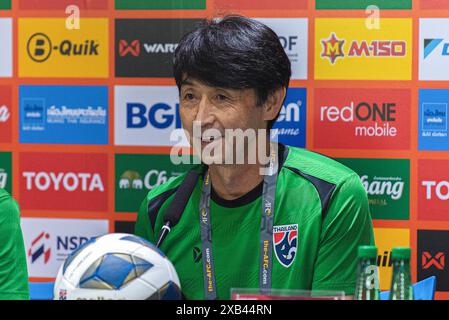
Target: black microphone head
x=182, y=196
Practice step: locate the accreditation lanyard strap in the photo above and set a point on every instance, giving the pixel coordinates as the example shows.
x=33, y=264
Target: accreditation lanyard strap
x=266, y=232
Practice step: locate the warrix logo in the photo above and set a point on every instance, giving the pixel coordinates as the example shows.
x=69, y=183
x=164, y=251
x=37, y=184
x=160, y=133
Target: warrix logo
x=428, y=260
x=132, y=48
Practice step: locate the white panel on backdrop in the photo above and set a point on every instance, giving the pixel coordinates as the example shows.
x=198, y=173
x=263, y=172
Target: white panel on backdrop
x=147, y=116
x=433, y=49
x=6, y=47
x=292, y=33
x=48, y=242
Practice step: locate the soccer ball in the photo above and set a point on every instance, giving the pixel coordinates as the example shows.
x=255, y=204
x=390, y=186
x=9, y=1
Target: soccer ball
x=117, y=266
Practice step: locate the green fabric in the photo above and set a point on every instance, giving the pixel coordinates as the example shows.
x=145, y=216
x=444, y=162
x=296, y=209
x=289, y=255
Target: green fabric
x=326, y=257
x=13, y=267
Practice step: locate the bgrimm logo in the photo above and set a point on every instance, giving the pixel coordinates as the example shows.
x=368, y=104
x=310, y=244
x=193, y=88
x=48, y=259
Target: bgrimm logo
x=364, y=111
x=69, y=181
x=390, y=186
x=39, y=48
x=333, y=48
x=125, y=48
x=132, y=180
x=427, y=260
x=4, y=113
x=431, y=44
x=38, y=246
x=439, y=189
x=3, y=178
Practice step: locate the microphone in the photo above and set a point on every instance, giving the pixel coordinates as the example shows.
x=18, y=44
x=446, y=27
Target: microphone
x=178, y=204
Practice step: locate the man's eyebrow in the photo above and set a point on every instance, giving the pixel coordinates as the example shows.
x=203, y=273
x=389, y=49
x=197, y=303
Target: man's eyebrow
x=186, y=82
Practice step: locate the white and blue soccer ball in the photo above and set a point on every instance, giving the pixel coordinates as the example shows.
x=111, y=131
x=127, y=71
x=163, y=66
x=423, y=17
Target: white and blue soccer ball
x=117, y=266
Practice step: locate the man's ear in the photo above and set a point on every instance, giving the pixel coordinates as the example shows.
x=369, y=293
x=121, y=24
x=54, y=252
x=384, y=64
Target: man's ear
x=274, y=104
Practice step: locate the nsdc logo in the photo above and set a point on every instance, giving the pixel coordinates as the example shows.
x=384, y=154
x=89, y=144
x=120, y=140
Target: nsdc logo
x=40, y=248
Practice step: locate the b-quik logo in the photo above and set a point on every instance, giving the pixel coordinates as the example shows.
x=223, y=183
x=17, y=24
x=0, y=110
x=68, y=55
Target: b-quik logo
x=48, y=49
x=64, y=181
x=40, y=47
x=147, y=116
x=48, y=242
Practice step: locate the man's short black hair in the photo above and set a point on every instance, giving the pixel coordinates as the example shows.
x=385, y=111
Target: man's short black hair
x=234, y=52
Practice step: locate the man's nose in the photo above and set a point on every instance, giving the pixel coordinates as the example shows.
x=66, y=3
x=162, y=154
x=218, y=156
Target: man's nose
x=204, y=112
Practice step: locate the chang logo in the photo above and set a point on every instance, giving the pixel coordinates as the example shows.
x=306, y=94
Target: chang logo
x=392, y=187
x=130, y=180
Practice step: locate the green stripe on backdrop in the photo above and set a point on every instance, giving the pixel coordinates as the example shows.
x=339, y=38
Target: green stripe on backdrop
x=5, y=4
x=363, y=4
x=159, y=4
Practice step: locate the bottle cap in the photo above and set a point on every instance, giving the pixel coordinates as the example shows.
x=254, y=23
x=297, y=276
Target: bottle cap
x=401, y=253
x=369, y=252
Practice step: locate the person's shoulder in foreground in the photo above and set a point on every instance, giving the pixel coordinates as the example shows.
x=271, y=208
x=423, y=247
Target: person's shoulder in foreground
x=346, y=219
x=13, y=268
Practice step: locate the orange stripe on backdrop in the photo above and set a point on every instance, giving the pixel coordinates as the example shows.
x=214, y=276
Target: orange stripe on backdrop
x=311, y=84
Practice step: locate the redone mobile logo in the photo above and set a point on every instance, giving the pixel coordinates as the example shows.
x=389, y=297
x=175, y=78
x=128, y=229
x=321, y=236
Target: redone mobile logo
x=357, y=119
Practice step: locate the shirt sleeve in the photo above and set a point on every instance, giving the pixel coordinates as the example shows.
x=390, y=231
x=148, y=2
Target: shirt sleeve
x=143, y=226
x=346, y=226
x=13, y=268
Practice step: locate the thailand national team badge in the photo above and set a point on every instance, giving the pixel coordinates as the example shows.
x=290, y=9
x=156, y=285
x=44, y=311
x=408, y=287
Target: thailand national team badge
x=285, y=240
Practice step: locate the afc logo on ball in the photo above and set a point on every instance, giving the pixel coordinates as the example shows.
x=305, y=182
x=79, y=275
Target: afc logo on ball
x=285, y=240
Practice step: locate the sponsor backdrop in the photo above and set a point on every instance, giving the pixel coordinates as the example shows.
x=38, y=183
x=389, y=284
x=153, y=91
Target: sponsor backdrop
x=87, y=111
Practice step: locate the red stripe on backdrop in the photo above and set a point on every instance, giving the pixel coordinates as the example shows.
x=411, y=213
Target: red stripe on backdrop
x=62, y=4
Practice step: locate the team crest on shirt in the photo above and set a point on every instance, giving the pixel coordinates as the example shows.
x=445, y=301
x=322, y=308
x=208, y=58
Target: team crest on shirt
x=285, y=239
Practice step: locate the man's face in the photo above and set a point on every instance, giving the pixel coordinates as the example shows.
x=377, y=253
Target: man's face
x=218, y=109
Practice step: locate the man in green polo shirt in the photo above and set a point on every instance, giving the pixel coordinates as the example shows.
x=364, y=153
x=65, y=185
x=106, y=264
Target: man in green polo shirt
x=296, y=229
x=13, y=267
